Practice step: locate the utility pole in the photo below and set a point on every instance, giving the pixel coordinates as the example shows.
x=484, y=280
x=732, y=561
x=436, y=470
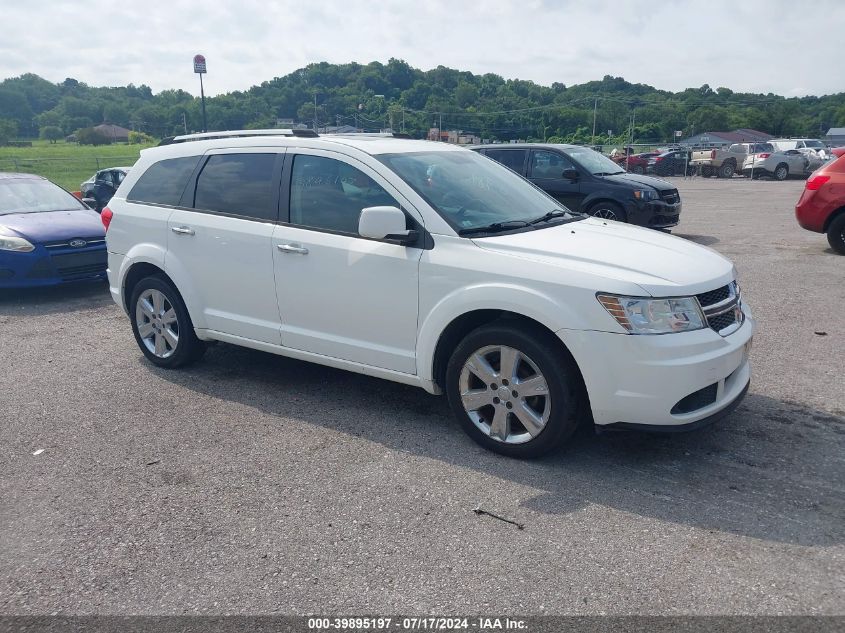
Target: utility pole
x=185, y=122
x=315, y=110
x=595, y=107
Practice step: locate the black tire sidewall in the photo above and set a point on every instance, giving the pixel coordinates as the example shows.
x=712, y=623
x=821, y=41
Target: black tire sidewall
x=777, y=169
x=189, y=347
x=562, y=378
x=834, y=234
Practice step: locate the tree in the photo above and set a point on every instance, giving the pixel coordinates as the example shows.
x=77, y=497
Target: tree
x=51, y=133
x=90, y=136
x=8, y=130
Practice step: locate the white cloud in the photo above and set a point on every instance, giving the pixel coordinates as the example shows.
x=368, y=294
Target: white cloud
x=780, y=46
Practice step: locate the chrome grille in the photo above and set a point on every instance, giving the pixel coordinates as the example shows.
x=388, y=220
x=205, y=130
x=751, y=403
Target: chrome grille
x=671, y=196
x=89, y=241
x=722, y=309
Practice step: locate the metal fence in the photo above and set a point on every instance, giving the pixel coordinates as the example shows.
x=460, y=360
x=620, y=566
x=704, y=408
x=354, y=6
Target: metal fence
x=67, y=172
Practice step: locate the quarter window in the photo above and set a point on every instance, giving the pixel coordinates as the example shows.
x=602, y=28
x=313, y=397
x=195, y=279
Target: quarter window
x=238, y=184
x=164, y=182
x=329, y=194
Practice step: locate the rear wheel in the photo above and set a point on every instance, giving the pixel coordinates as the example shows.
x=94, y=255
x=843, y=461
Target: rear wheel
x=161, y=324
x=727, y=170
x=706, y=171
x=638, y=170
x=513, y=391
x=608, y=211
x=836, y=234
x=781, y=172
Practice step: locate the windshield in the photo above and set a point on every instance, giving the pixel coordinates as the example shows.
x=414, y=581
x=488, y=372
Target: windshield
x=597, y=164
x=471, y=191
x=25, y=195
x=814, y=144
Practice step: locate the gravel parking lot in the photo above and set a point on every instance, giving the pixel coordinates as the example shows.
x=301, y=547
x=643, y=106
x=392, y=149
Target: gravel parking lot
x=256, y=484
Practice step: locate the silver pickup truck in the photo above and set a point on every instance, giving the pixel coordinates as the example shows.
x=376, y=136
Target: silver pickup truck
x=725, y=162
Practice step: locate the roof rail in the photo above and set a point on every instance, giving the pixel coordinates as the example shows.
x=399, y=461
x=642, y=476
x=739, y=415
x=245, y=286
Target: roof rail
x=371, y=134
x=205, y=136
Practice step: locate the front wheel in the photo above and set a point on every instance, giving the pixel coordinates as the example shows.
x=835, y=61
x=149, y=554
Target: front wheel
x=781, y=172
x=161, y=324
x=513, y=391
x=836, y=234
x=607, y=211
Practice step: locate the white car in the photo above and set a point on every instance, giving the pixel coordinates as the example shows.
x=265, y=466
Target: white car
x=430, y=265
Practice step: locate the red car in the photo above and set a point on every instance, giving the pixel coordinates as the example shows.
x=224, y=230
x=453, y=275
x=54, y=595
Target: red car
x=821, y=207
x=635, y=163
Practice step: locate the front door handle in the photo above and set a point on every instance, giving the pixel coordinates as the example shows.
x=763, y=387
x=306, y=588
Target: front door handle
x=294, y=249
x=182, y=230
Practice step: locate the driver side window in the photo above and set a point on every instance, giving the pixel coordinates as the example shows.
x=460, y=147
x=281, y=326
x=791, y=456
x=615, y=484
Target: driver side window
x=329, y=194
x=548, y=164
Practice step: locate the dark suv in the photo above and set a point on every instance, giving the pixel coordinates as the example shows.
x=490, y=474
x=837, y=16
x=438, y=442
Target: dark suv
x=584, y=180
x=101, y=186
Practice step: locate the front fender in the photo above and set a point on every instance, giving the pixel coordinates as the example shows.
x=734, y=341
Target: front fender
x=527, y=302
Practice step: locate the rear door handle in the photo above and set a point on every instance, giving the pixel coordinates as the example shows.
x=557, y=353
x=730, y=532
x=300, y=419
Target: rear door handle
x=182, y=230
x=294, y=249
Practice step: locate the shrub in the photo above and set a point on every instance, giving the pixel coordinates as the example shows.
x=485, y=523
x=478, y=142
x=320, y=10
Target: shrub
x=8, y=130
x=139, y=138
x=51, y=133
x=90, y=136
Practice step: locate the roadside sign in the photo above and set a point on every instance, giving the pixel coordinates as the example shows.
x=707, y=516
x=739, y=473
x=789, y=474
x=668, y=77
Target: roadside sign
x=199, y=64
x=679, y=133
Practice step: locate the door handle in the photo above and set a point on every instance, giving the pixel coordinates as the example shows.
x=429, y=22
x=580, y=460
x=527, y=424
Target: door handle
x=294, y=249
x=182, y=230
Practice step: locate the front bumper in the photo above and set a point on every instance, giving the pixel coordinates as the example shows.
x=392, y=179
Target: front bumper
x=51, y=267
x=662, y=381
x=655, y=214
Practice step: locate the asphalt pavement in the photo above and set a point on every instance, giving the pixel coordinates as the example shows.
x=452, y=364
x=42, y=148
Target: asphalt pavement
x=254, y=484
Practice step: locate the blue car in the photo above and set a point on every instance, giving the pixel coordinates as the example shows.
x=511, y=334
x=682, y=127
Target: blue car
x=47, y=236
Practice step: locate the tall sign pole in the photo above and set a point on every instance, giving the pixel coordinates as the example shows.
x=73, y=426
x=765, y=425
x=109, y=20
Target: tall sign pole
x=199, y=68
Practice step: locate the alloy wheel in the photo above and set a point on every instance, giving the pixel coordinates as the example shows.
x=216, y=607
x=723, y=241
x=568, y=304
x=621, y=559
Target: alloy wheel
x=505, y=394
x=158, y=325
x=605, y=213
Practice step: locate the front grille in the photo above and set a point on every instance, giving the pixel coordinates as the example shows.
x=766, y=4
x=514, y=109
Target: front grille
x=85, y=263
x=696, y=400
x=663, y=220
x=670, y=196
x=714, y=296
x=721, y=306
x=89, y=241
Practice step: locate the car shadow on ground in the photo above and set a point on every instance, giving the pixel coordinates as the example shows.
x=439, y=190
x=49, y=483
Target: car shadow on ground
x=54, y=299
x=704, y=240
x=773, y=470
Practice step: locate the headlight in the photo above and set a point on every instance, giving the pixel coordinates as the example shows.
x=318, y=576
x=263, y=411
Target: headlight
x=645, y=194
x=654, y=316
x=17, y=244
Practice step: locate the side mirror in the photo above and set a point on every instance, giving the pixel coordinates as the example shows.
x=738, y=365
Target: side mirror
x=570, y=174
x=385, y=223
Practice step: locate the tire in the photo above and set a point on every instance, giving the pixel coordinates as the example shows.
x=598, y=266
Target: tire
x=727, y=170
x=518, y=426
x=161, y=324
x=706, y=171
x=781, y=172
x=638, y=170
x=836, y=234
x=608, y=211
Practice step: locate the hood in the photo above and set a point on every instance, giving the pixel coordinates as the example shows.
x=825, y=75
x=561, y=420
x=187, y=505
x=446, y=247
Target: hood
x=660, y=264
x=635, y=180
x=51, y=226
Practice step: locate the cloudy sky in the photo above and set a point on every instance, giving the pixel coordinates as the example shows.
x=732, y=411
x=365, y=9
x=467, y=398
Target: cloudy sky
x=787, y=47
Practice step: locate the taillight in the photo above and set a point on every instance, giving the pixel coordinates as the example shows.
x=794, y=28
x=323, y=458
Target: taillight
x=816, y=182
x=763, y=155
x=713, y=154
x=658, y=159
x=106, y=216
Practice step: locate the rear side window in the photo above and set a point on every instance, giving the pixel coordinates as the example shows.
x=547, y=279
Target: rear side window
x=164, y=182
x=238, y=184
x=511, y=158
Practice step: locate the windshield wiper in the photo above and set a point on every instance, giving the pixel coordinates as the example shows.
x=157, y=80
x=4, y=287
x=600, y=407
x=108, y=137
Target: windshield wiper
x=495, y=227
x=551, y=215
x=607, y=173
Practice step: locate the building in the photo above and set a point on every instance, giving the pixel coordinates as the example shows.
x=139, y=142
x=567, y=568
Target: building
x=718, y=139
x=116, y=133
x=456, y=137
x=835, y=136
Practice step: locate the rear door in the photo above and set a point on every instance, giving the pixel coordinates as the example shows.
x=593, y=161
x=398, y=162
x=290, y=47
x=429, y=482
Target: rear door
x=546, y=171
x=515, y=159
x=220, y=241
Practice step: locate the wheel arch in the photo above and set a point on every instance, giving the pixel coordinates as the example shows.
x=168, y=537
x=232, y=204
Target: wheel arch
x=831, y=217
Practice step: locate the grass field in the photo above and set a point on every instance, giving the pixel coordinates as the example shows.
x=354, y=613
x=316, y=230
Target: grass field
x=67, y=164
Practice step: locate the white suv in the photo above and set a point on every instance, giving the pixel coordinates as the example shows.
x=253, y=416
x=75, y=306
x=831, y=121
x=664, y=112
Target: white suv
x=430, y=265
